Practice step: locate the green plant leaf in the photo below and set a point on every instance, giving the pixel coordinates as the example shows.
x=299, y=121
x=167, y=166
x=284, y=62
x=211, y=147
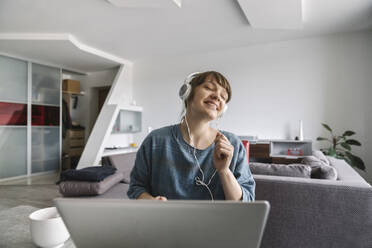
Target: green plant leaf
x=353, y=142
x=356, y=161
x=347, y=159
x=321, y=138
x=348, y=133
x=346, y=146
x=331, y=152
x=327, y=127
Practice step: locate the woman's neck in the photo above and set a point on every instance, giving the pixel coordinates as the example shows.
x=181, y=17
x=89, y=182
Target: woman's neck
x=201, y=133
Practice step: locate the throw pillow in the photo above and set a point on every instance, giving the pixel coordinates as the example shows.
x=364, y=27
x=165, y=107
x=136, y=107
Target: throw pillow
x=320, y=169
x=320, y=155
x=287, y=170
x=85, y=188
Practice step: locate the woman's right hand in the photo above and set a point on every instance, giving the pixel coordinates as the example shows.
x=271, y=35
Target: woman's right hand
x=161, y=198
x=147, y=196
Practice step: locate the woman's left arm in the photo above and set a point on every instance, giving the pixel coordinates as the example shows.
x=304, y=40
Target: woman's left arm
x=237, y=185
x=230, y=185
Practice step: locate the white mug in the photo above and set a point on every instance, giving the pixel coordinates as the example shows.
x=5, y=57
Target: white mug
x=47, y=228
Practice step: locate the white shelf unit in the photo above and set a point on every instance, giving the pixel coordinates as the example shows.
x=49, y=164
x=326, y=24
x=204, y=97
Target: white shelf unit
x=110, y=152
x=129, y=120
x=279, y=148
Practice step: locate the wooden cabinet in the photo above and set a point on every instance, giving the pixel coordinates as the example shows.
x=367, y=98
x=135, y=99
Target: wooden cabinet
x=73, y=146
x=259, y=151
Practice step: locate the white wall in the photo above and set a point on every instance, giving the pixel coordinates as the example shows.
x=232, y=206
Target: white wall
x=325, y=79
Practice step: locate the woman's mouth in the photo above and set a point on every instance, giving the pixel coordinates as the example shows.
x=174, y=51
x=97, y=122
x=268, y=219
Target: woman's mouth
x=211, y=104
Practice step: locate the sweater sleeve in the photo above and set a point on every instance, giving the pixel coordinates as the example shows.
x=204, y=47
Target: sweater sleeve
x=244, y=176
x=140, y=176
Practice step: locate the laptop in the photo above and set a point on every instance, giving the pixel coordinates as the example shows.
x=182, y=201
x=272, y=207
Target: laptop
x=175, y=223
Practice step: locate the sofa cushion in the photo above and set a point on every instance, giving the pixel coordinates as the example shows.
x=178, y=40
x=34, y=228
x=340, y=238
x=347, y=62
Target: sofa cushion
x=85, y=188
x=288, y=170
x=320, y=155
x=124, y=163
x=319, y=168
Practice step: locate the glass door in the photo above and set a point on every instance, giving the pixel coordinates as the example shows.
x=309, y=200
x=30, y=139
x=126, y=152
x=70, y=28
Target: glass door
x=46, y=97
x=13, y=117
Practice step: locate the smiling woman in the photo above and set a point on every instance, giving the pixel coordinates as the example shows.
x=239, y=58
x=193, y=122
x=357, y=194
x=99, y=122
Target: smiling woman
x=192, y=160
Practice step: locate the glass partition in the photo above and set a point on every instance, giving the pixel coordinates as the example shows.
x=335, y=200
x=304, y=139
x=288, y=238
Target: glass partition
x=13, y=117
x=13, y=80
x=45, y=149
x=46, y=90
x=13, y=151
x=46, y=85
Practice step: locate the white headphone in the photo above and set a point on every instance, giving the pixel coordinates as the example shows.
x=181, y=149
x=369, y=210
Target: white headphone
x=185, y=92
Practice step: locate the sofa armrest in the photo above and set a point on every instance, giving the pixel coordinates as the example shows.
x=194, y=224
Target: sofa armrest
x=344, y=171
x=316, y=213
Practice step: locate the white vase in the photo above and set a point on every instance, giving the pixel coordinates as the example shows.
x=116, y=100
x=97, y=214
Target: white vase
x=301, y=134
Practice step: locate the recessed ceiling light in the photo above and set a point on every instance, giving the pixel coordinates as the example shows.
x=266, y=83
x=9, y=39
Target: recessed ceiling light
x=146, y=3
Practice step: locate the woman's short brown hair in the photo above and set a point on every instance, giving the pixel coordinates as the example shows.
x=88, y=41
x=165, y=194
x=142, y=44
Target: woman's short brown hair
x=201, y=77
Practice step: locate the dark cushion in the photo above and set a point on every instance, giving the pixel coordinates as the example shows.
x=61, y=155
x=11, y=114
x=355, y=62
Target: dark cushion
x=124, y=163
x=91, y=174
x=287, y=170
x=319, y=168
x=85, y=188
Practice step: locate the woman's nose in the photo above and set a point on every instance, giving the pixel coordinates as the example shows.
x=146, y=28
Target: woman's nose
x=215, y=97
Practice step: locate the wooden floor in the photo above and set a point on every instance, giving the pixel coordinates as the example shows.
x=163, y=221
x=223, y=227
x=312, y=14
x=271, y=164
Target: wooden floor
x=51, y=178
x=39, y=196
x=38, y=192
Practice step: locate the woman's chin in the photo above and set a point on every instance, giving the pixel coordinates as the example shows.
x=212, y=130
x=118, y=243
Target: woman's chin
x=212, y=115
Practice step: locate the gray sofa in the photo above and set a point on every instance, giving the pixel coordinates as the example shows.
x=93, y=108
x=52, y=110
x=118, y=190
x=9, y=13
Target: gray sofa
x=304, y=212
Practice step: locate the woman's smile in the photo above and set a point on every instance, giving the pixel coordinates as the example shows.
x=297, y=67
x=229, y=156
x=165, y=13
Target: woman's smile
x=211, y=104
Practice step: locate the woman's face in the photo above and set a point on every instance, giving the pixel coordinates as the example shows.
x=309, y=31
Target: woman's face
x=209, y=98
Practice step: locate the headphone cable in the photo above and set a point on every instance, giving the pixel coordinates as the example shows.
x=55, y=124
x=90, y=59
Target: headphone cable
x=198, y=181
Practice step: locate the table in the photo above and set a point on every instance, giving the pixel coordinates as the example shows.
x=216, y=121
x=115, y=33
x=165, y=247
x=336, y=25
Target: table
x=15, y=228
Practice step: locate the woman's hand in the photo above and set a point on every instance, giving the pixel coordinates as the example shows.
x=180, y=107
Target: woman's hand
x=223, y=152
x=147, y=196
x=161, y=198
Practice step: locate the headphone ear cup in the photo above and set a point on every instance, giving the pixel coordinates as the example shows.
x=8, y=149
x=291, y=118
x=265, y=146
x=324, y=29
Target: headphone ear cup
x=184, y=91
x=223, y=111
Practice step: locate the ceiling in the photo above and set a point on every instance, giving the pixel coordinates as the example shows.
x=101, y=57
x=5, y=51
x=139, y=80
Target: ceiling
x=61, y=51
x=198, y=26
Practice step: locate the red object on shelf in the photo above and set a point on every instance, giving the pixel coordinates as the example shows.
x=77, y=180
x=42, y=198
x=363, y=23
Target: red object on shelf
x=45, y=115
x=294, y=152
x=246, y=146
x=13, y=114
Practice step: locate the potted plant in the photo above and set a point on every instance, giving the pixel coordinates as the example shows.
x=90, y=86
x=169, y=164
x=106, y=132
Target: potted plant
x=340, y=147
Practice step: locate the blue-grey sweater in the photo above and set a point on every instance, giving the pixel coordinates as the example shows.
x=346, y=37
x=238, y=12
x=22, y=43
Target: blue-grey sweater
x=165, y=166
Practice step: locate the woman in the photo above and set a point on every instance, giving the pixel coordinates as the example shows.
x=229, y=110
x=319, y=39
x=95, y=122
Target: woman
x=192, y=160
